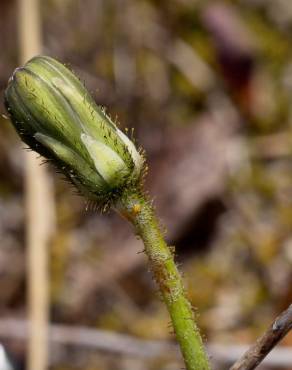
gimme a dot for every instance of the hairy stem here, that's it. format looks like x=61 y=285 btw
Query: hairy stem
x=140 y=213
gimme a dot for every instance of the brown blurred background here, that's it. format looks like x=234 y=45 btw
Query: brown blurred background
x=207 y=86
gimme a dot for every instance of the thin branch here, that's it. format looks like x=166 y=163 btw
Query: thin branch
x=103 y=340
x=84 y=338
x=258 y=351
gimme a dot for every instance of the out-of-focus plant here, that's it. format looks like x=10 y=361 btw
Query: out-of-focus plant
x=55 y=115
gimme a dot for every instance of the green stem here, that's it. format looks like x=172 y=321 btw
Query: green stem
x=140 y=213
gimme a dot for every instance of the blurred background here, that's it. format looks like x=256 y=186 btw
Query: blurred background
x=207 y=87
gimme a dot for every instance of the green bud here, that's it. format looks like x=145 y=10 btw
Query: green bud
x=55 y=115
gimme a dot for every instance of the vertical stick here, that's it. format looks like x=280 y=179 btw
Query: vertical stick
x=39 y=203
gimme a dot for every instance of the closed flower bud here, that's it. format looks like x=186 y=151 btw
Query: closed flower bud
x=56 y=116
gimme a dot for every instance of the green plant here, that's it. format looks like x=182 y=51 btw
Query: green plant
x=55 y=115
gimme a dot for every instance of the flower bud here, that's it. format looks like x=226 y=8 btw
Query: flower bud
x=56 y=116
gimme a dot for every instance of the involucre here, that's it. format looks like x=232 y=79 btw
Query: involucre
x=55 y=115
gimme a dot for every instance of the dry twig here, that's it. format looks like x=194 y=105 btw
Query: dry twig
x=84 y=338
x=257 y=352
x=39 y=207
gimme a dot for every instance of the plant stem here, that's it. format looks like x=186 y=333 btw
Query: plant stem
x=139 y=212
